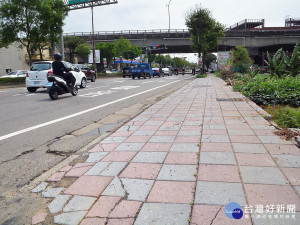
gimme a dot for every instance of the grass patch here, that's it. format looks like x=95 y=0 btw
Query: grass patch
x=201 y=75
x=285 y=116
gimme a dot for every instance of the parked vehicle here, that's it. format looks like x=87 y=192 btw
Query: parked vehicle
x=36 y=77
x=16 y=73
x=89 y=73
x=143 y=70
x=60 y=87
x=126 y=71
x=157 y=72
x=167 y=71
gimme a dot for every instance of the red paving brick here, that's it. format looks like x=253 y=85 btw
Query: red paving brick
x=119 y=157
x=103 y=206
x=261 y=194
x=282 y=149
x=157 y=147
x=141 y=171
x=245 y=139
x=172 y=192
x=216 y=147
x=222 y=219
x=293 y=174
x=181 y=158
x=222 y=173
x=93 y=221
x=126 y=209
x=57 y=176
x=137 y=139
x=65 y=169
x=39 y=218
x=89 y=186
x=248 y=159
x=77 y=172
x=166 y=133
x=204 y=214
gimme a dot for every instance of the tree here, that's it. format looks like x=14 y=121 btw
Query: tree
x=31 y=22
x=122 y=46
x=209 y=58
x=71 y=44
x=293 y=63
x=134 y=52
x=83 y=50
x=205 y=31
x=241 y=59
x=107 y=50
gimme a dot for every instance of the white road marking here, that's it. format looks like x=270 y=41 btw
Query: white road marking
x=79 y=113
x=125 y=87
x=96 y=94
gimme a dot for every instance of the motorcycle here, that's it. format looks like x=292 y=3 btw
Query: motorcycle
x=58 y=86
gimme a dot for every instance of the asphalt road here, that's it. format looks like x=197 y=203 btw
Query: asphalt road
x=33 y=125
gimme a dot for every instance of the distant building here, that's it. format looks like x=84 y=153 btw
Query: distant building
x=15 y=57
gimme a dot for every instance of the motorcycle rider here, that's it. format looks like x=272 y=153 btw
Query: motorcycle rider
x=60 y=70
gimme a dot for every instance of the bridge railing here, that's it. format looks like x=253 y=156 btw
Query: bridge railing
x=128 y=32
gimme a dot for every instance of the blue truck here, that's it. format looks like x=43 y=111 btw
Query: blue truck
x=143 y=70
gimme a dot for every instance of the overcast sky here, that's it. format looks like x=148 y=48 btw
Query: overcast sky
x=153 y=14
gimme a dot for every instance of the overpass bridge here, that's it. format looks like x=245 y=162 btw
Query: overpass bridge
x=256 y=40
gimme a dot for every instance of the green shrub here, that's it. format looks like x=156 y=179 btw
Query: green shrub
x=5 y=80
x=285 y=117
x=264 y=90
x=201 y=75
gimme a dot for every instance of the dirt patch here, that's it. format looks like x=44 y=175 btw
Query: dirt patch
x=286 y=134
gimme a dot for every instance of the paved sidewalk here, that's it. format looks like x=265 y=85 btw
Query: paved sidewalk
x=181 y=162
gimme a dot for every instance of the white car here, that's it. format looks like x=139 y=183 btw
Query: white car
x=16 y=73
x=36 y=77
x=167 y=71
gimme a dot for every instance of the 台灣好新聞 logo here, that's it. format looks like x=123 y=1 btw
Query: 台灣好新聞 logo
x=233 y=210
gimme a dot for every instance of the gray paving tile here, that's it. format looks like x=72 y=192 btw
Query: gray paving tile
x=214 y=127
x=114 y=188
x=113 y=169
x=137 y=189
x=41 y=187
x=97 y=168
x=127 y=128
x=273 y=140
x=262 y=175
x=185 y=147
x=79 y=203
x=162 y=139
x=150 y=157
x=96 y=156
x=297 y=189
x=249 y=148
x=57 y=204
x=215 y=138
x=192 y=123
x=287 y=160
x=189 y=132
x=163 y=214
x=154 y=123
x=52 y=192
x=171 y=127
x=219 y=193
x=130 y=147
x=110 y=140
x=69 y=218
x=177 y=172
x=222 y=158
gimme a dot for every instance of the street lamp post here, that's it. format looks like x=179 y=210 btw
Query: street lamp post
x=169 y=14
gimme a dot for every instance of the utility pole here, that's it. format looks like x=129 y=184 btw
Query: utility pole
x=93 y=40
x=169 y=15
